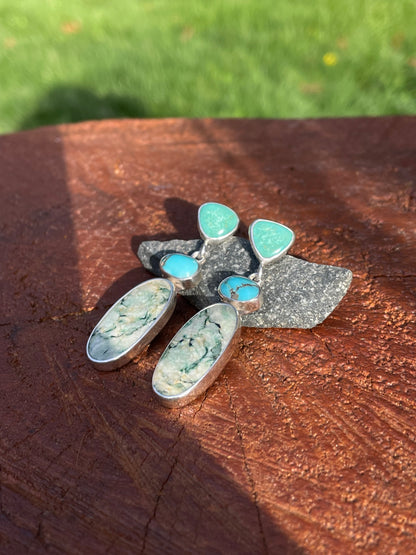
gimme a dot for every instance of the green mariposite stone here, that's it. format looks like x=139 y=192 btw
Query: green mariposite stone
x=216 y=220
x=195 y=349
x=270 y=239
x=129 y=319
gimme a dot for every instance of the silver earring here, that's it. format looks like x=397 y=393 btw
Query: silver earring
x=202 y=347
x=139 y=315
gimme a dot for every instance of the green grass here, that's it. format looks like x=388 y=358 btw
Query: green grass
x=89 y=59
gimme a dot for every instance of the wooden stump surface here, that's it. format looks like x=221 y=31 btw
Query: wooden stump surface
x=307 y=441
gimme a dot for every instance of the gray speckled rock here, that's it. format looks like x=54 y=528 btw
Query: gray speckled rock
x=297 y=294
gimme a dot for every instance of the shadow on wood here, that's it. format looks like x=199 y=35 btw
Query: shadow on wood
x=90 y=462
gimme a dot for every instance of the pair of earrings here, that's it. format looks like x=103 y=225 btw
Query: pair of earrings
x=202 y=347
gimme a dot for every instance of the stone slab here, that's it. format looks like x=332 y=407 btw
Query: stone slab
x=297 y=293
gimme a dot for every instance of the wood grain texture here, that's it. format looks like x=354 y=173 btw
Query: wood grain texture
x=306 y=443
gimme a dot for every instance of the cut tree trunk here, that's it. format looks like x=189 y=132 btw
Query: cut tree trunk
x=306 y=442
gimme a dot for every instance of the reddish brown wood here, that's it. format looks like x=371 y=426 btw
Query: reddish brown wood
x=307 y=441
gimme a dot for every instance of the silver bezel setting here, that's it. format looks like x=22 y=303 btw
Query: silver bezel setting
x=181 y=284
x=243 y=307
x=216 y=239
x=260 y=258
x=118 y=361
x=183 y=399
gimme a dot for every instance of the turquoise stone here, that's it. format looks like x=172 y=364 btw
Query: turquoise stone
x=270 y=239
x=239 y=288
x=216 y=220
x=179 y=266
x=195 y=349
x=129 y=319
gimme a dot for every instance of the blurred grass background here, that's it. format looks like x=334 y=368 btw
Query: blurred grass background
x=90 y=59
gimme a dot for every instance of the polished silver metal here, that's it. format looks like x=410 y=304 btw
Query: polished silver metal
x=257 y=276
x=242 y=307
x=182 y=284
x=199 y=387
x=200 y=254
x=121 y=359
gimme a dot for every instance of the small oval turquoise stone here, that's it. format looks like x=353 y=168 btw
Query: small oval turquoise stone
x=270 y=238
x=180 y=266
x=217 y=220
x=239 y=288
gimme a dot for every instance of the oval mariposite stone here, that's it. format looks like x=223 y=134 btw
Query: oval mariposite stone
x=130 y=322
x=217 y=221
x=270 y=240
x=199 y=348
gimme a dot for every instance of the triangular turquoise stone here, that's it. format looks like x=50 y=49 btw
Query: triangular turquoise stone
x=270 y=239
x=216 y=221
